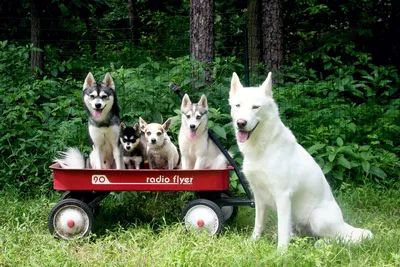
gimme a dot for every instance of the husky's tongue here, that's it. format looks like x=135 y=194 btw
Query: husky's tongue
x=192 y=135
x=97 y=113
x=242 y=136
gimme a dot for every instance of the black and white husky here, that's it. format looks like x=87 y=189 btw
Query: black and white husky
x=133 y=146
x=197 y=150
x=101 y=105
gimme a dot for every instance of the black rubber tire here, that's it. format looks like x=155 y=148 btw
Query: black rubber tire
x=73 y=204
x=82 y=197
x=215 y=225
x=234 y=209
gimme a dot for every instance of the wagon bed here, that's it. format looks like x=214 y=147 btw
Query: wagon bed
x=140 y=180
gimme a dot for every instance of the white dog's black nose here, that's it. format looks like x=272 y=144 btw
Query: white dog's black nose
x=97 y=105
x=192 y=126
x=241 y=123
x=153 y=141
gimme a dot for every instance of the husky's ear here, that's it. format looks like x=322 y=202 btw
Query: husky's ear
x=108 y=80
x=122 y=126
x=185 y=101
x=89 y=81
x=166 y=124
x=235 y=85
x=203 y=102
x=267 y=85
x=142 y=124
x=136 y=127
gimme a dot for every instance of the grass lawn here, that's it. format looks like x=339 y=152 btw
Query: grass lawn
x=119 y=240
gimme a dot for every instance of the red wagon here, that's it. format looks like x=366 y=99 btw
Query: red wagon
x=73 y=216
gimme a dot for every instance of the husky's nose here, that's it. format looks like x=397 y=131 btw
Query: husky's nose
x=128 y=147
x=192 y=126
x=153 y=141
x=98 y=105
x=241 y=123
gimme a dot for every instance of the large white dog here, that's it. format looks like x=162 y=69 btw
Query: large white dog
x=281 y=173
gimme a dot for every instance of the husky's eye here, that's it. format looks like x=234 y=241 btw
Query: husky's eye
x=238 y=105
x=256 y=107
x=103 y=97
x=198 y=117
x=188 y=116
x=91 y=96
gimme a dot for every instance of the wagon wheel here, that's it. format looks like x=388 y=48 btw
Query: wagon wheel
x=203 y=214
x=70 y=219
x=229 y=212
x=84 y=197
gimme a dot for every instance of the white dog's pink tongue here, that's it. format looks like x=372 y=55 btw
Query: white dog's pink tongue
x=97 y=113
x=242 y=136
x=192 y=135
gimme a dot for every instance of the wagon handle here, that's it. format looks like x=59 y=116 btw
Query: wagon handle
x=176 y=89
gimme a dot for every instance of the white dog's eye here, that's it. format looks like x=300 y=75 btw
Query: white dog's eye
x=198 y=117
x=238 y=105
x=159 y=133
x=148 y=133
x=256 y=107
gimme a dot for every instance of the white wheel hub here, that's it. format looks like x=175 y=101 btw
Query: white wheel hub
x=71 y=222
x=202 y=217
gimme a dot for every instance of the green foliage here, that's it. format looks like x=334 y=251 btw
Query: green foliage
x=348 y=121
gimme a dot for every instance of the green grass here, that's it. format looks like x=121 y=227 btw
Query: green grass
x=121 y=240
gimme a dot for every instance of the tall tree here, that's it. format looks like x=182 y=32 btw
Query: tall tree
x=36 y=54
x=202 y=34
x=133 y=21
x=253 y=34
x=272 y=33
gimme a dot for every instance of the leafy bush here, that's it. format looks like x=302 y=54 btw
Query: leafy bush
x=348 y=121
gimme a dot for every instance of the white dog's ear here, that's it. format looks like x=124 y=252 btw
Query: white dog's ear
x=89 y=81
x=108 y=80
x=166 y=124
x=267 y=85
x=122 y=126
x=203 y=102
x=186 y=101
x=235 y=84
x=136 y=126
x=142 y=124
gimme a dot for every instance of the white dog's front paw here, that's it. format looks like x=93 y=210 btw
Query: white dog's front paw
x=282 y=248
x=255 y=236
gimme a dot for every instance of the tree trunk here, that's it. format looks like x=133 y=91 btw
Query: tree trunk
x=36 y=56
x=202 y=34
x=253 y=34
x=272 y=33
x=133 y=22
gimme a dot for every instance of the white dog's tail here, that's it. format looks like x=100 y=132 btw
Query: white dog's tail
x=71 y=159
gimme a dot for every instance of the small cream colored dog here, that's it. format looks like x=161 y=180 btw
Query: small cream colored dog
x=161 y=152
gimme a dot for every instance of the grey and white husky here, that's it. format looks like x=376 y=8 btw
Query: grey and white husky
x=133 y=146
x=197 y=150
x=101 y=105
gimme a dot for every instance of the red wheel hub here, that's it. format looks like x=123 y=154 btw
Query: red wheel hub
x=200 y=223
x=70 y=223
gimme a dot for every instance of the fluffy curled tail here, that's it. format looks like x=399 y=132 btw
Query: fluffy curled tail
x=71 y=159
